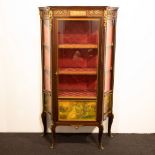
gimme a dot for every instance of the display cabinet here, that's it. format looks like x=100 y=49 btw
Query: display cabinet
x=78 y=49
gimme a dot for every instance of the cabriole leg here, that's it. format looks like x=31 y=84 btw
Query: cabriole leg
x=53 y=136
x=44 y=120
x=100 y=137
x=110 y=120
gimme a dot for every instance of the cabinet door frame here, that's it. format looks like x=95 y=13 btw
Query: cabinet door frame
x=100 y=76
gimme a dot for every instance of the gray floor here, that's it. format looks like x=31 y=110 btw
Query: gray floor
x=76 y=144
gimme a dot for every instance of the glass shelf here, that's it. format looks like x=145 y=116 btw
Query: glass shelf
x=77 y=71
x=77 y=46
x=77 y=94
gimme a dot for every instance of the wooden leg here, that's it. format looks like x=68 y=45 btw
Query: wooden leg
x=44 y=120
x=100 y=137
x=110 y=120
x=53 y=136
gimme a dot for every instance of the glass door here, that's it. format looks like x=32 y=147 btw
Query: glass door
x=77 y=68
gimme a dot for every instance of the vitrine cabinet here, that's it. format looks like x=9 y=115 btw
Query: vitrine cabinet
x=78 y=49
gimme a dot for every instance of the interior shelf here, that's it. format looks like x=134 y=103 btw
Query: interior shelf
x=78 y=46
x=77 y=71
x=77 y=94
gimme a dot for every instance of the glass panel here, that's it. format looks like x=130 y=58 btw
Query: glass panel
x=109 y=32
x=77 y=58
x=46 y=32
x=78 y=32
x=77 y=110
x=74 y=86
x=46 y=55
x=47 y=80
x=108 y=78
x=108 y=58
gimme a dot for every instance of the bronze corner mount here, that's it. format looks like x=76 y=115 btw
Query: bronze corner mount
x=109 y=15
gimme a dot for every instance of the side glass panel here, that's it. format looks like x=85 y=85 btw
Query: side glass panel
x=46 y=56
x=107 y=85
x=77 y=43
x=109 y=57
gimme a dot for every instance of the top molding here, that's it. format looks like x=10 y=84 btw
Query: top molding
x=79 y=11
x=77 y=7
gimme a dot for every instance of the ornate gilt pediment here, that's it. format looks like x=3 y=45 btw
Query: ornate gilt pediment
x=107 y=14
x=45 y=14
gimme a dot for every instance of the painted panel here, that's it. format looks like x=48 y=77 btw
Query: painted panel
x=77 y=110
x=107 y=103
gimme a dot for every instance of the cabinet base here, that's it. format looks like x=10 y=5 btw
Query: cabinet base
x=53 y=132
